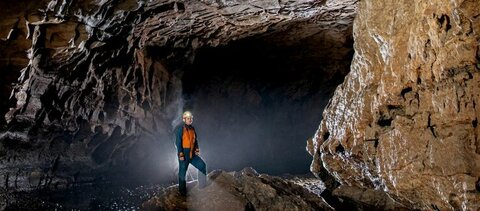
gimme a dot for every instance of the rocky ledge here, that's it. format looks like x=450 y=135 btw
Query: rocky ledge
x=249 y=190
x=243 y=190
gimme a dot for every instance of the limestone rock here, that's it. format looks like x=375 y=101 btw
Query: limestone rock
x=244 y=190
x=365 y=199
x=405 y=120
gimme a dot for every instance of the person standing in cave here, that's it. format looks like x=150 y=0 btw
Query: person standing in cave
x=188 y=152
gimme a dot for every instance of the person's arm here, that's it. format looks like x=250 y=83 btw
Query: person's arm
x=197 y=149
x=178 y=142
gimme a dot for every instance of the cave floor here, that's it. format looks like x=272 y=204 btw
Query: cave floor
x=109 y=196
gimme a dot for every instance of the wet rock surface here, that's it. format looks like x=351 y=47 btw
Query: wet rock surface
x=248 y=190
x=405 y=118
x=355 y=198
x=243 y=190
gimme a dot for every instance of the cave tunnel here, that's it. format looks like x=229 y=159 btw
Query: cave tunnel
x=257 y=100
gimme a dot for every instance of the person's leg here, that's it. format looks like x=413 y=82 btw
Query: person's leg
x=182 y=172
x=202 y=170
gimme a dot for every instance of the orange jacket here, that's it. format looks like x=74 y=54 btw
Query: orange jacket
x=186 y=138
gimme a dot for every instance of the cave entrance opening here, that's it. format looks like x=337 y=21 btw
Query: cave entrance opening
x=257 y=100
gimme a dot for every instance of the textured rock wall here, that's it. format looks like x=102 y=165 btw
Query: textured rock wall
x=87 y=102
x=13 y=44
x=405 y=120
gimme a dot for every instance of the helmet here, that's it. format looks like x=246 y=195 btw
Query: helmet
x=187 y=114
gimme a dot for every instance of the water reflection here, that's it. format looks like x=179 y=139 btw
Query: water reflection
x=94 y=197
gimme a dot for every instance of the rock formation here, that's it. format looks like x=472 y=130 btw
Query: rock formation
x=248 y=190
x=359 y=198
x=405 y=120
x=244 y=190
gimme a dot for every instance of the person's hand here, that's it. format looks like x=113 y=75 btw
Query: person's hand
x=197 y=152
x=181 y=158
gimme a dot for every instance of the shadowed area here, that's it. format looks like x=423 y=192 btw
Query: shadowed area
x=257 y=101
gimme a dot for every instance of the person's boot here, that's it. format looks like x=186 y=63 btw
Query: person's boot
x=183 y=193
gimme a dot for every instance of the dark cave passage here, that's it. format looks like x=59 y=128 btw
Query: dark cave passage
x=256 y=101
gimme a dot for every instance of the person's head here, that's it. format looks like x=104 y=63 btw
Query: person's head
x=187 y=117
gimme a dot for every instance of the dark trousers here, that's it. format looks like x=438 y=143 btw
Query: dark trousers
x=182 y=170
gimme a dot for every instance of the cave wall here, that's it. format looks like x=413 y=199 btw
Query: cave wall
x=14 y=44
x=87 y=104
x=405 y=120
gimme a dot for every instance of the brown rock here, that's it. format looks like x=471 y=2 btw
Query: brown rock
x=244 y=190
x=365 y=199
x=405 y=118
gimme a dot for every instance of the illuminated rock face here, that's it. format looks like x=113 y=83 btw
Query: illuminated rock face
x=100 y=81
x=405 y=119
